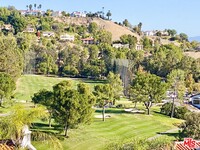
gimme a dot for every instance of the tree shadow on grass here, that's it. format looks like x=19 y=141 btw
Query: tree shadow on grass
x=45 y=127
x=176 y=135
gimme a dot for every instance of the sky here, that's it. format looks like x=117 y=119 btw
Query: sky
x=181 y=15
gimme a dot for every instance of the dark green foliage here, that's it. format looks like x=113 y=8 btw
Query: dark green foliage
x=179 y=112
x=191 y=128
x=143 y=144
x=147 y=88
x=7 y=86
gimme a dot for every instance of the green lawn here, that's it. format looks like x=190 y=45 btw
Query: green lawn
x=27 y=85
x=120 y=127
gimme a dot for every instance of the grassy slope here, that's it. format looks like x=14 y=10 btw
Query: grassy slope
x=27 y=85
x=121 y=126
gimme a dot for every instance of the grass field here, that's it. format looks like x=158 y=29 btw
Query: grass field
x=121 y=126
x=27 y=85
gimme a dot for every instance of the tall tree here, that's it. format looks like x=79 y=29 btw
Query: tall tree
x=108 y=14
x=104 y=97
x=30 y=7
x=35 y=6
x=45 y=98
x=7 y=86
x=70 y=106
x=116 y=86
x=148 y=88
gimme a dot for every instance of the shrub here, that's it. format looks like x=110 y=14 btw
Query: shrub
x=179 y=111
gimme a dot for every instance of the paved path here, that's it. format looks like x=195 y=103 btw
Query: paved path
x=163 y=133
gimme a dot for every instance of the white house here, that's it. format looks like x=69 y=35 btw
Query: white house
x=78 y=14
x=139 y=46
x=31 y=12
x=149 y=33
x=29 y=29
x=67 y=37
x=195 y=100
x=56 y=14
x=48 y=34
x=119 y=45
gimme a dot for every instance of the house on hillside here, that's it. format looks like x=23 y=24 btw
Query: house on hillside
x=29 y=29
x=149 y=33
x=195 y=100
x=120 y=45
x=88 y=40
x=31 y=12
x=139 y=46
x=78 y=14
x=56 y=13
x=67 y=37
x=48 y=34
x=7 y=27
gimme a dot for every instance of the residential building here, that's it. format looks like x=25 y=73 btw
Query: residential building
x=120 y=45
x=139 y=46
x=195 y=100
x=8 y=27
x=29 y=29
x=88 y=40
x=149 y=33
x=48 y=34
x=56 y=13
x=67 y=37
x=31 y=12
x=78 y=14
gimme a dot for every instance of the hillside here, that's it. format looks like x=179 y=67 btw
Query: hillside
x=110 y=26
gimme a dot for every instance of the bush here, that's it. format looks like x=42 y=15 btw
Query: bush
x=179 y=112
x=191 y=128
x=143 y=144
x=119 y=106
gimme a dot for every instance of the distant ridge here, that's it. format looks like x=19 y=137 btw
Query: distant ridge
x=195 y=38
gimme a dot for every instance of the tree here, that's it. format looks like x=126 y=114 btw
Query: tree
x=190 y=127
x=12 y=125
x=93 y=28
x=148 y=88
x=183 y=37
x=35 y=6
x=176 y=81
x=45 y=98
x=147 y=43
x=189 y=82
x=7 y=86
x=30 y=7
x=108 y=14
x=116 y=86
x=104 y=96
x=71 y=106
x=125 y=22
x=171 y=32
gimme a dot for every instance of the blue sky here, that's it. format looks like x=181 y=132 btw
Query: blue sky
x=181 y=15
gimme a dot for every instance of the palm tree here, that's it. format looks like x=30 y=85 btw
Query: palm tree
x=12 y=125
x=30 y=6
x=35 y=6
x=108 y=14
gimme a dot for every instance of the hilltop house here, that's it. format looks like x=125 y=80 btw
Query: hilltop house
x=78 y=14
x=31 y=12
x=149 y=33
x=56 y=14
x=48 y=34
x=66 y=37
x=88 y=40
